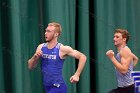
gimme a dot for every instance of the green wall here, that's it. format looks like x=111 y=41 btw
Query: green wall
x=87 y=25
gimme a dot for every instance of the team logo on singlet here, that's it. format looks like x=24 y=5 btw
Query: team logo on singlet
x=49 y=56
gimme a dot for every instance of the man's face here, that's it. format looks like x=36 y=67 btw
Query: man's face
x=118 y=39
x=50 y=33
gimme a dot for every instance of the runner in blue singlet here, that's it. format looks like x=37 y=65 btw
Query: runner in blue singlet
x=52 y=55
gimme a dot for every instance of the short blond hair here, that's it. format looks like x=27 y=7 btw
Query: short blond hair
x=57 y=27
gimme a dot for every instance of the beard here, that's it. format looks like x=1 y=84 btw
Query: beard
x=49 y=39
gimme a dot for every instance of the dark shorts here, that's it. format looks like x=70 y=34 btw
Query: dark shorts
x=56 y=88
x=129 y=89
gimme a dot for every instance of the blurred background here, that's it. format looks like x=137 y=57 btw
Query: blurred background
x=87 y=25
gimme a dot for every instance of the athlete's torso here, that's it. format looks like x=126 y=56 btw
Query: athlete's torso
x=51 y=65
x=124 y=79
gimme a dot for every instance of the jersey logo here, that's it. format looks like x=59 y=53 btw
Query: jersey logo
x=49 y=56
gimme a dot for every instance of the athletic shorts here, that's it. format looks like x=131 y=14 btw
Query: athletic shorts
x=129 y=89
x=56 y=88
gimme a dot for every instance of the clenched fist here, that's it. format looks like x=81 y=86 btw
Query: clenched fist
x=110 y=54
x=74 y=79
x=38 y=53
